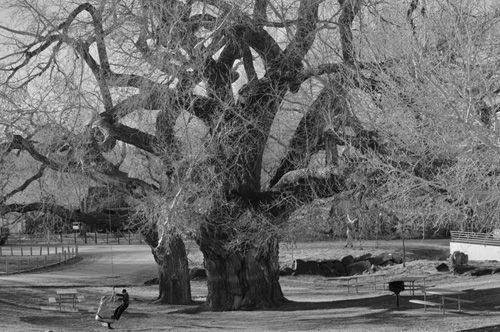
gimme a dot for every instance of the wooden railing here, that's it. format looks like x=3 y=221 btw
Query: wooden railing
x=488 y=239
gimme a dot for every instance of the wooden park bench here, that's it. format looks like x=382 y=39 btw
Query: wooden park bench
x=65 y=300
x=445 y=294
x=425 y=303
x=458 y=300
x=358 y=281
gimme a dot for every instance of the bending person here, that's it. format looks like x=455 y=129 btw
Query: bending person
x=104 y=313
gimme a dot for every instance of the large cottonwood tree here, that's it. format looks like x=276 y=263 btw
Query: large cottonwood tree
x=383 y=95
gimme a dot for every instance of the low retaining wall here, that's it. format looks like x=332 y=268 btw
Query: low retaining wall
x=478 y=246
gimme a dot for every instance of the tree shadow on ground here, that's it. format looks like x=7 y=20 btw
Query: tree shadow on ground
x=61 y=320
x=55 y=321
x=381 y=312
x=484 y=300
x=495 y=328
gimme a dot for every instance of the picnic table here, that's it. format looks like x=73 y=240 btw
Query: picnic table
x=444 y=294
x=66 y=297
x=409 y=282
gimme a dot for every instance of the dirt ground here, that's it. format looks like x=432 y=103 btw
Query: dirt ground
x=317 y=303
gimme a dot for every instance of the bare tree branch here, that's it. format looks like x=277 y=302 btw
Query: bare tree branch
x=350 y=9
x=409 y=13
x=307 y=139
x=25 y=185
x=98 y=218
x=260 y=11
x=93 y=165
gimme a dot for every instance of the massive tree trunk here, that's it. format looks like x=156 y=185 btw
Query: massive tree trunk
x=173 y=270
x=239 y=277
x=242 y=273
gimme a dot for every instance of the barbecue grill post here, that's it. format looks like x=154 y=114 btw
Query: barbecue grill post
x=396 y=287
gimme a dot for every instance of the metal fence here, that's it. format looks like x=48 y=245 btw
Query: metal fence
x=117 y=237
x=488 y=239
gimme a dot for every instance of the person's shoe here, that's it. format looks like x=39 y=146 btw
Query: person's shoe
x=110 y=328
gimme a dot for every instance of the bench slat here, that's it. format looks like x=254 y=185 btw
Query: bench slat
x=418 y=287
x=435 y=304
x=68 y=309
x=54 y=300
x=458 y=300
x=359 y=285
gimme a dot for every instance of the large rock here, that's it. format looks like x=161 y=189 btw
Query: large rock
x=306 y=267
x=380 y=259
x=482 y=272
x=358 y=267
x=327 y=269
x=388 y=263
x=339 y=267
x=347 y=260
x=287 y=271
x=459 y=258
x=386 y=256
x=461 y=269
x=443 y=267
x=364 y=257
x=396 y=258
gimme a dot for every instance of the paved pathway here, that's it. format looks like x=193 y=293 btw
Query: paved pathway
x=102 y=265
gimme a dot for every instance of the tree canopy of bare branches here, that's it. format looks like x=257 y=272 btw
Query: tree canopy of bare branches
x=221 y=119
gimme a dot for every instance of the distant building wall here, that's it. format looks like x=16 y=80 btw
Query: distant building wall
x=477 y=252
x=478 y=246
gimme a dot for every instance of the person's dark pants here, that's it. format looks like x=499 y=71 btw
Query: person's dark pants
x=119 y=311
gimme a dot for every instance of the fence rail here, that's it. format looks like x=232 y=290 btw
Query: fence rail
x=19 y=259
x=117 y=237
x=489 y=239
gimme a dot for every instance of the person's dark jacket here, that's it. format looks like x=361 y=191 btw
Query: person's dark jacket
x=124 y=297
